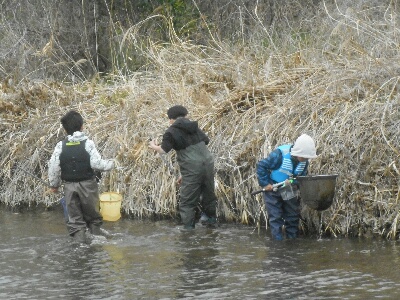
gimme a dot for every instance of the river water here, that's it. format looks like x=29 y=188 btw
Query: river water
x=156 y=260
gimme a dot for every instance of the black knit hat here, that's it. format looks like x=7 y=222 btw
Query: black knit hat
x=177 y=111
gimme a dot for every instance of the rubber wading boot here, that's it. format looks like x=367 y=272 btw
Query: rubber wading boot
x=188 y=227
x=80 y=236
x=211 y=222
x=204 y=219
x=95 y=229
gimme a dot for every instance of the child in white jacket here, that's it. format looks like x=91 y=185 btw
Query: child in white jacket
x=74 y=162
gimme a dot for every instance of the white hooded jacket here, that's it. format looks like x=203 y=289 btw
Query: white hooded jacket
x=96 y=162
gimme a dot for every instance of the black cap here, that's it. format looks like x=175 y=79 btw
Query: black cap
x=177 y=111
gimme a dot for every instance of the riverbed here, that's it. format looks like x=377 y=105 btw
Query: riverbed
x=139 y=259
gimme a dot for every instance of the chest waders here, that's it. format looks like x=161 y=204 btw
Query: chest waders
x=197 y=169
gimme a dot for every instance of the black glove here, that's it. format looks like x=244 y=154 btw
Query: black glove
x=98 y=176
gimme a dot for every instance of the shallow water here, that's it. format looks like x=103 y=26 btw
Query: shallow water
x=155 y=260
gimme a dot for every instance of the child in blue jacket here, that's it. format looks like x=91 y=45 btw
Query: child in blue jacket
x=285 y=162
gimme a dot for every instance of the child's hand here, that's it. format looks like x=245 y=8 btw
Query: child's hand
x=288 y=182
x=152 y=144
x=54 y=189
x=268 y=188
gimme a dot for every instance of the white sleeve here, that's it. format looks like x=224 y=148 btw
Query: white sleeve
x=96 y=162
x=54 y=166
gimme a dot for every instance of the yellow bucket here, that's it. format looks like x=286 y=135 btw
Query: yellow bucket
x=110 y=206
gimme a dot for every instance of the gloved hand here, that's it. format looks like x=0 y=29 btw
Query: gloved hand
x=98 y=176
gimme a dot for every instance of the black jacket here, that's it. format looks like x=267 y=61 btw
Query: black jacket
x=182 y=134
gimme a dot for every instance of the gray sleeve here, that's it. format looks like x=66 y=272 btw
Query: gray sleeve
x=54 y=166
x=96 y=162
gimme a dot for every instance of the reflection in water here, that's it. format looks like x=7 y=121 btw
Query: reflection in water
x=330 y=269
x=155 y=260
x=199 y=263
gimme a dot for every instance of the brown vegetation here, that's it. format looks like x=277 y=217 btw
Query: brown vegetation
x=337 y=81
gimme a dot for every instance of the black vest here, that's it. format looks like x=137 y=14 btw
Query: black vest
x=75 y=162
